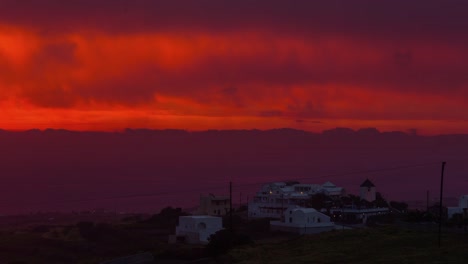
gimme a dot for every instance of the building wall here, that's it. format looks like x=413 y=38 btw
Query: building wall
x=299 y=217
x=211 y=205
x=463 y=201
x=273 y=197
x=265 y=210
x=303 y=221
x=367 y=193
x=272 y=206
x=301 y=230
x=454 y=210
x=198 y=229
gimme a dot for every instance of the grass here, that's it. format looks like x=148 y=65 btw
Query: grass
x=378 y=245
x=38 y=248
x=371 y=245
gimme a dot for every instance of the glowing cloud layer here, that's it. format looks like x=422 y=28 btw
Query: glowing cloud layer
x=253 y=64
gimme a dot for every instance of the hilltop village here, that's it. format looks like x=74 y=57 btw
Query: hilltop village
x=291 y=207
x=216 y=231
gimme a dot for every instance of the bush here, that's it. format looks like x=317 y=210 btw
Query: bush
x=167 y=218
x=261 y=225
x=416 y=216
x=96 y=232
x=87 y=230
x=380 y=219
x=41 y=229
x=222 y=241
x=400 y=206
x=237 y=221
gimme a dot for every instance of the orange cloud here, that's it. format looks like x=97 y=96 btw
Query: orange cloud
x=238 y=79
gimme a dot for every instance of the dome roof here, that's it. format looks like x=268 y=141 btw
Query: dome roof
x=328 y=184
x=367 y=183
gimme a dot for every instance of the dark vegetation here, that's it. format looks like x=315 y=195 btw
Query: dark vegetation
x=322 y=201
x=222 y=241
x=409 y=236
x=373 y=245
x=93 y=242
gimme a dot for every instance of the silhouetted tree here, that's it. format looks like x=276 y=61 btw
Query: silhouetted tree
x=352 y=200
x=167 y=218
x=94 y=232
x=400 y=206
x=318 y=201
x=379 y=201
x=242 y=208
x=261 y=225
x=434 y=210
x=87 y=230
x=416 y=216
x=223 y=240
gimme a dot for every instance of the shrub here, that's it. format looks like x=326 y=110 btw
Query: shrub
x=223 y=240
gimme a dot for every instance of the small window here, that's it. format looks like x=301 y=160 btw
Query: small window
x=290 y=219
x=201 y=226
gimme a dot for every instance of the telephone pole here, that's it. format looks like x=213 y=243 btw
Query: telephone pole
x=440 y=201
x=230 y=206
x=240 y=199
x=427 y=201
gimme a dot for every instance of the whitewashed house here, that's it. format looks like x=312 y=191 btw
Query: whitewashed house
x=274 y=198
x=460 y=209
x=303 y=221
x=196 y=229
x=332 y=190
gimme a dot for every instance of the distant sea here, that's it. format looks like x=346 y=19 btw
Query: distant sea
x=145 y=170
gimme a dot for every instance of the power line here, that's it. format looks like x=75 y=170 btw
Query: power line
x=129 y=196
x=156 y=194
x=352 y=173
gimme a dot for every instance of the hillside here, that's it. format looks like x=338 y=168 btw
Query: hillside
x=380 y=245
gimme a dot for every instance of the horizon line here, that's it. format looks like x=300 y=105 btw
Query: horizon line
x=408 y=132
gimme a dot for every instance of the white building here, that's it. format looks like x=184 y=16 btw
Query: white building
x=367 y=191
x=196 y=229
x=274 y=198
x=359 y=215
x=213 y=205
x=332 y=190
x=303 y=221
x=460 y=209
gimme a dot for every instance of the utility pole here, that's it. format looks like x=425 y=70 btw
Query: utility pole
x=282 y=208
x=230 y=206
x=440 y=201
x=240 y=199
x=427 y=201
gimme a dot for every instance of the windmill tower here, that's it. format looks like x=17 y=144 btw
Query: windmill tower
x=367 y=191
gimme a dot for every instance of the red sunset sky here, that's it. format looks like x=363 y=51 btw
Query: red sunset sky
x=211 y=64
